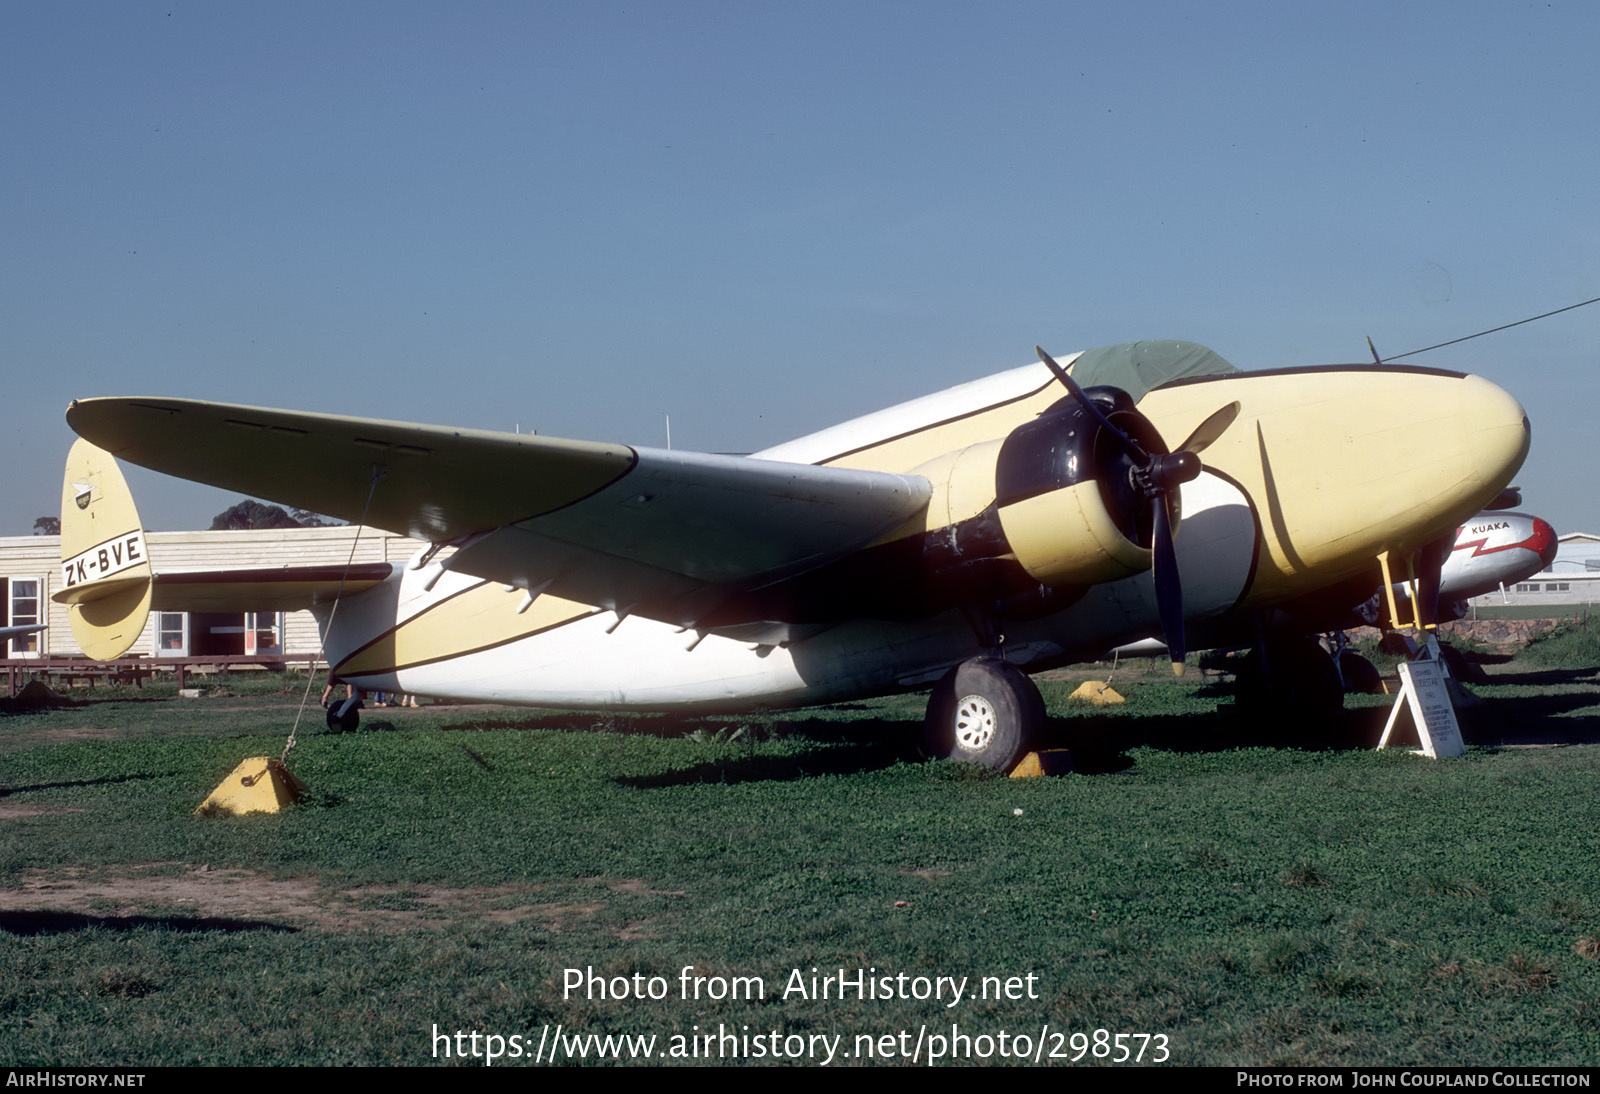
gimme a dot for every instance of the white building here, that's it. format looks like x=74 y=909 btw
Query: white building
x=30 y=571
x=1571 y=581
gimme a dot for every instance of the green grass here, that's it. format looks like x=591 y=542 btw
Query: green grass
x=1574 y=645
x=241 y=682
x=1530 y=611
x=1257 y=894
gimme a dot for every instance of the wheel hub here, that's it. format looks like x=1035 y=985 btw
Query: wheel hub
x=975 y=723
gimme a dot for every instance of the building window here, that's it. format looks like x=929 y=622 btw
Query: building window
x=261 y=632
x=172 y=639
x=25 y=604
x=1557 y=586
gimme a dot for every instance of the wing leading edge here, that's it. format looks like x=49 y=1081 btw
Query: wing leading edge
x=662 y=533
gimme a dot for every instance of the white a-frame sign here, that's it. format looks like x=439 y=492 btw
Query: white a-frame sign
x=1424 y=691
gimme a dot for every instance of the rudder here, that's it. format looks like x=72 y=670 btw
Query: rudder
x=106 y=575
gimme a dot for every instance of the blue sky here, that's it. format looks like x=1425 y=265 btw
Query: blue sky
x=761 y=219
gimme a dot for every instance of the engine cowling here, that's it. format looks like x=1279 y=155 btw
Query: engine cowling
x=1066 y=497
x=1065 y=503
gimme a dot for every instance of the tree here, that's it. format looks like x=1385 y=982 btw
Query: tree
x=47 y=526
x=253 y=514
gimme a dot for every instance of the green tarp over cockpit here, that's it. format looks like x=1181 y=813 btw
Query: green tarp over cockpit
x=1140 y=367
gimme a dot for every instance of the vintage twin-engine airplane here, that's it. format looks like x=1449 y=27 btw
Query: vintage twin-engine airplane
x=959 y=540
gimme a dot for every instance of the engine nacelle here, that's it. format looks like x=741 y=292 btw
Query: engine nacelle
x=1055 y=495
x=1068 y=537
x=1020 y=524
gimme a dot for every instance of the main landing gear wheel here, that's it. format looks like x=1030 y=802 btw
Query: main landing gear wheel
x=1361 y=677
x=1464 y=671
x=1298 y=676
x=985 y=711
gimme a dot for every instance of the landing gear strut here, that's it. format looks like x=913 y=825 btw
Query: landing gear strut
x=985 y=711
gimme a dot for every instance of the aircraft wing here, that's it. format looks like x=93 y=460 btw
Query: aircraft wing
x=663 y=533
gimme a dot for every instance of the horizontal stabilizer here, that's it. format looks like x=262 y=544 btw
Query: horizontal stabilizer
x=270 y=589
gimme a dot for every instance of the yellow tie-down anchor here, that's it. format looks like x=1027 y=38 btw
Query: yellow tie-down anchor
x=1098 y=692
x=1052 y=761
x=260 y=784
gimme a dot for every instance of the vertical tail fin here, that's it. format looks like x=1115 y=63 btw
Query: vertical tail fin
x=105 y=569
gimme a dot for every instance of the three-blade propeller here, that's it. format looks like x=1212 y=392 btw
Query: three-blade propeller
x=1157 y=476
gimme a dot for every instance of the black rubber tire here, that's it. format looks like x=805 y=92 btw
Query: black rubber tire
x=1301 y=677
x=1463 y=670
x=346 y=722
x=1361 y=677
x=984 y=711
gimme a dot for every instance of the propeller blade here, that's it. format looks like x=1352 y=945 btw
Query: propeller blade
x=1061 y=373
x=1210 y=429
x=1169 y=589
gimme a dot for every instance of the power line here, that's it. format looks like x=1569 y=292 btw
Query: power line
x=1491 y=330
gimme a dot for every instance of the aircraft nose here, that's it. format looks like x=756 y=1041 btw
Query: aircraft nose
x=1358 y=461
x=1544 y=541
x=1495 y=433
x=1471 y=437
